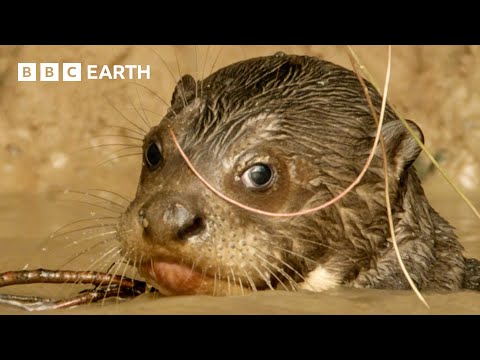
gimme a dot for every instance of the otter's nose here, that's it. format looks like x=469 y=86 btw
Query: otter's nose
x=177 y=221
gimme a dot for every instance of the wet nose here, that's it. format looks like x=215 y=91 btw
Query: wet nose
x=177 y=221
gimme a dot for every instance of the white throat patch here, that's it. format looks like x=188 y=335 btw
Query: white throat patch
x=319 y=280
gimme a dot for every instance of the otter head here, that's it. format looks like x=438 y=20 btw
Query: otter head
x=281 y=134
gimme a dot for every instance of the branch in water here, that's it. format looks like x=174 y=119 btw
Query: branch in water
x=119 y=287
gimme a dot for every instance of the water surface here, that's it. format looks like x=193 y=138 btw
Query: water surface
x=27 y=220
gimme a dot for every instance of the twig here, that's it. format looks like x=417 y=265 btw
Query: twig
x=119 y=287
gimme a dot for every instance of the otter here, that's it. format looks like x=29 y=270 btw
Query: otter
x=283 y=133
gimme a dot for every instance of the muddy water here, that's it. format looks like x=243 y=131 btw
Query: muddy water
x=26 y=221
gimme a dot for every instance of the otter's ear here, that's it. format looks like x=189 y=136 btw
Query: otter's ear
x=184 y=92
x=402 y=149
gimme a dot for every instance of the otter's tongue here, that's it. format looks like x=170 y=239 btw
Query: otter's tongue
x=173 y=278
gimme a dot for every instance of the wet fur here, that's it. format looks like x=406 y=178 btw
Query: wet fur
x=313 y=117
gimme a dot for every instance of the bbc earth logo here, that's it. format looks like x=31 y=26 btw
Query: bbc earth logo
x=73 y=72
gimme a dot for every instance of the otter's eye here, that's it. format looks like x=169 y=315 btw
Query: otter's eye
x=258 y=177
x=153 y=156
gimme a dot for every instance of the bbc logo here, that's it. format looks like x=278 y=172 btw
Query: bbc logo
x=49 y=71
x=73 y=72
